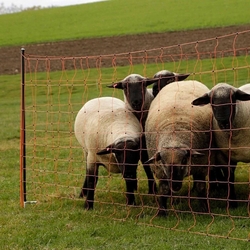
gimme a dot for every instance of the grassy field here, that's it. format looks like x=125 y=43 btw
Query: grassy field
x=118 y=17
x=54 y=159
x=55 y=174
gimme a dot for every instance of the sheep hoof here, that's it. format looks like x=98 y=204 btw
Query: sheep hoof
x=162 y=212
x=83 y=193
x=233 y=204
x=131 y=203
x=203 y=207
x=88 y=205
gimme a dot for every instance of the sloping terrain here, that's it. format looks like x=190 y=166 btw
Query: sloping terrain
x=10 y=56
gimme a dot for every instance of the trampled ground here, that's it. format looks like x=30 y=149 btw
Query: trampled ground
x=10 y=56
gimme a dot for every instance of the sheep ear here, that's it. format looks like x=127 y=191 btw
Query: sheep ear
x=107 y=150
x=150 y=81
x=154 y=158
x=241 y=95
x=203 y=100
x=181 y=77
x=196 y=153
x=117 y=85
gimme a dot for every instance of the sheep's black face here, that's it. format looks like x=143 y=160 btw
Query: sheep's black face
x=135 y=94
x=127 y=154
x=162 y=82
x=164 y=78
x=223 y=106
x=176 y=164
x=177 y=174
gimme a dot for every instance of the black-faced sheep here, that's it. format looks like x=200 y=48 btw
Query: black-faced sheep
x=137 y=99
x=164 y=78
x=178 y=140
x=231 y=126
x=110 y=136
x=136 y=95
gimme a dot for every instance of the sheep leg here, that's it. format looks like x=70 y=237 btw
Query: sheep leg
x=84 y=189
x=200 y=186
x=131 y=186
x=152 y=189
x=232 y=196
x=226 y=182
x=162 y=198
x=215 y=174
x=91 y=181
x=84 y=186
x=226 y=176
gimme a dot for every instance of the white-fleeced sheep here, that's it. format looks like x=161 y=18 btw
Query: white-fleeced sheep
x=245 y=88
x=165 y=77
x=231 y=126
x=138 y=99
x=136 y=95
x=110 y=136
x=178 y=140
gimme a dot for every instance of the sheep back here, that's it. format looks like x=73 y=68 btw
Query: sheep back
x=101 y=122
x=230 y=119
x=235 y=143
x=173 y=123
x=172 y=116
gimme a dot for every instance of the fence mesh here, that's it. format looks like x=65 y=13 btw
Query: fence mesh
x=55 y=88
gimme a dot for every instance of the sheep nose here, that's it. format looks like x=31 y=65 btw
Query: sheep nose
x=137 y=104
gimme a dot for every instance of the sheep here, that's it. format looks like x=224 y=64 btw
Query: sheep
x=245 y=88
x=137 y=99
x=110 y=136
x=178 y=140
x=165 y=77
x=136 y=95
x=230 y=127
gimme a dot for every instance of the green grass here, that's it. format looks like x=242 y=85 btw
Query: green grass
x=55 y=172
x=118 y=17
x=54 y=159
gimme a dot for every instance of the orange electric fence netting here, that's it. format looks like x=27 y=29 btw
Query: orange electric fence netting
x=52 y=164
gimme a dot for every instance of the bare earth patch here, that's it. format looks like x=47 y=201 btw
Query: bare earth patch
x=10 y=56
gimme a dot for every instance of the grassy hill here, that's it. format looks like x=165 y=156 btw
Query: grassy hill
x=119 y=17
x=58 y=220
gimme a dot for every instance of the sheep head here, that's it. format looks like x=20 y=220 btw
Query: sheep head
x=126 y=150
x=223 y=99
x=164 y=78
x=173 y=164
x=134 y=87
